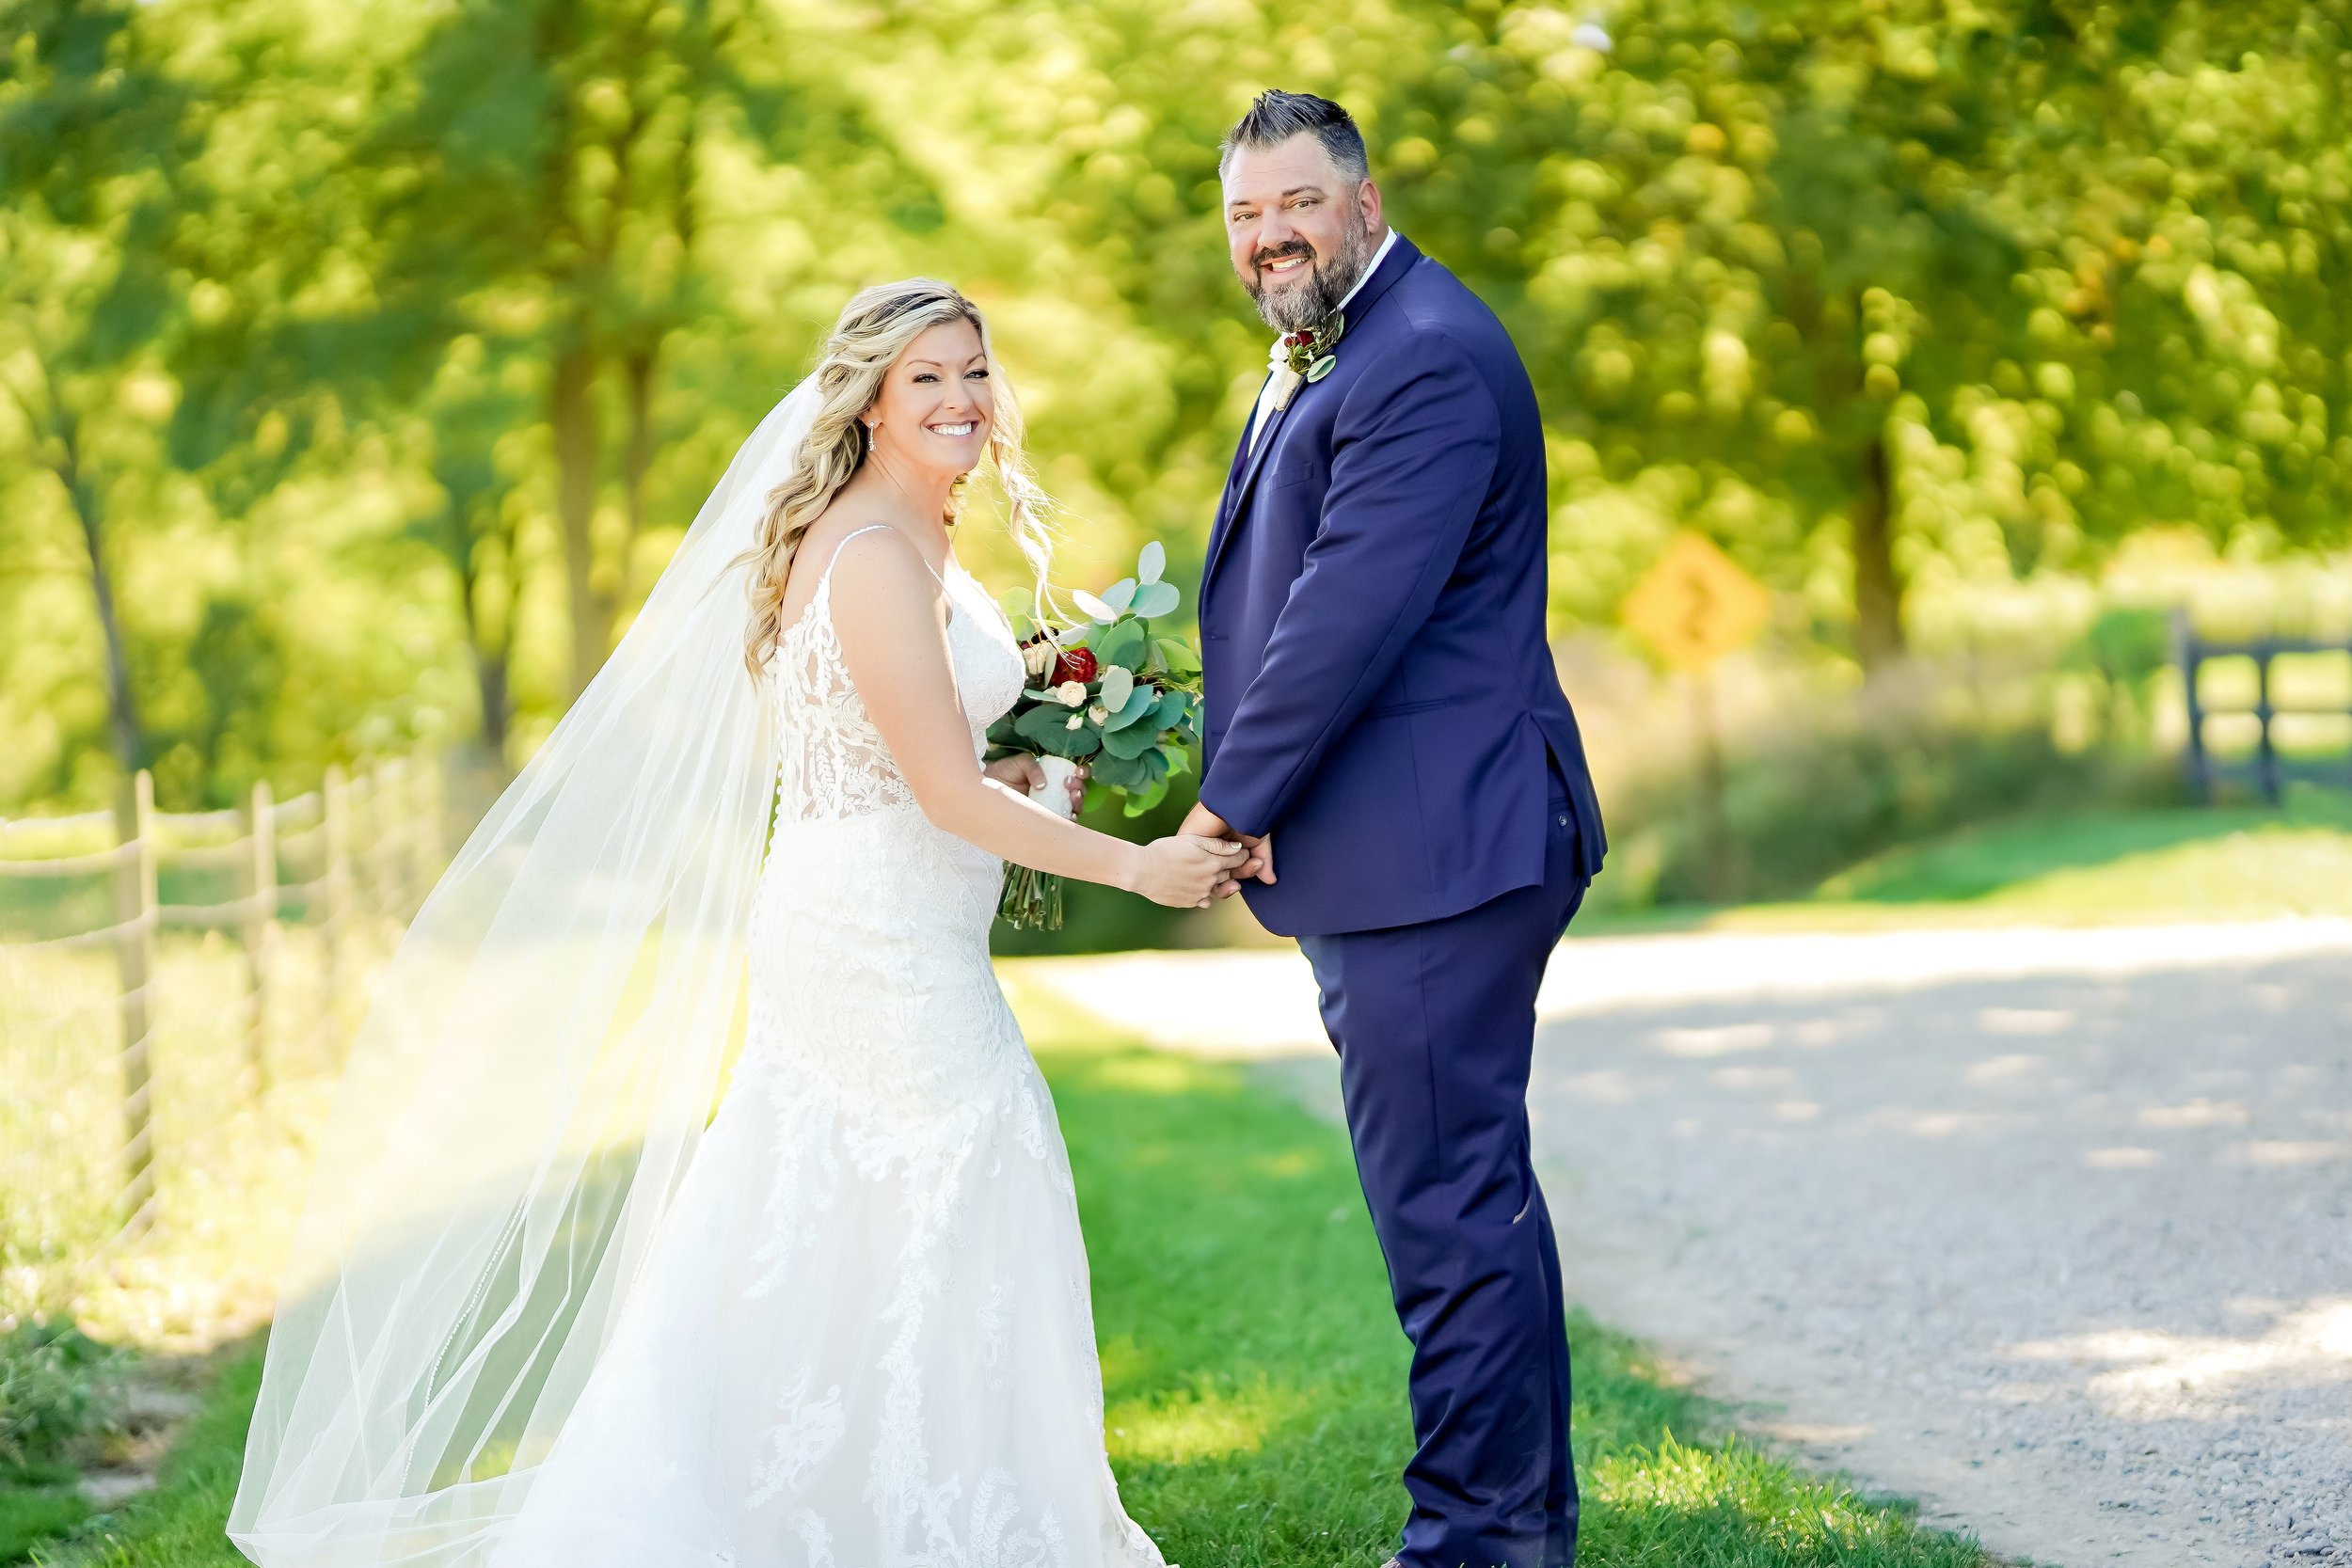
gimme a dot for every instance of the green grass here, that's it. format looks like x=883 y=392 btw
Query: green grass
x=2081 y=868
x=36 y=1502
x=178 y=1522
x=1254 y=1373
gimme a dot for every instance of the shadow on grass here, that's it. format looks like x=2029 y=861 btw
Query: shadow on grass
x=1255 y=1374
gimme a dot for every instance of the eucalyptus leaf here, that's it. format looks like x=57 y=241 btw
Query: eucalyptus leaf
x=1152 y=562
x=1155 y=598
x=1133 y=711
x=1177 y=655
x=1049 y=729
x=1132 y=742
x=1122 y=643
x=1016 y=601
x=1040 y=724
x=1119 y=595
x=1093 y=607
x=1117 y=772
x=1119 y=683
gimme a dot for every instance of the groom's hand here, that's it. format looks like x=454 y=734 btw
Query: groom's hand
x=1201 y=820
x=1261 y=861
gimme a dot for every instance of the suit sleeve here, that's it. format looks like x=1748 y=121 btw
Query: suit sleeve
x=1413 y=454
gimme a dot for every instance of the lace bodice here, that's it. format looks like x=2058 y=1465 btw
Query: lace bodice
x=832 y=763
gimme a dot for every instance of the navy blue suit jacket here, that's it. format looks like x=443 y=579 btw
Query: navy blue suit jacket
x=1380 y=693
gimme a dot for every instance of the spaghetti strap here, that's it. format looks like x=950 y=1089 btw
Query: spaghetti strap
x=843 y=543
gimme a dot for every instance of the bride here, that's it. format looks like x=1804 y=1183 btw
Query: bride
x=545 y=1310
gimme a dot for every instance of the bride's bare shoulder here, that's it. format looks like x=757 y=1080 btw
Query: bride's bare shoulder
x=853 y=542
x=825 y=549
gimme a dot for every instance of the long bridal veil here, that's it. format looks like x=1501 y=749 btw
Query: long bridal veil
x=538 y=1063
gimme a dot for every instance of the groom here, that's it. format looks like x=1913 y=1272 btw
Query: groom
x=1383 y=718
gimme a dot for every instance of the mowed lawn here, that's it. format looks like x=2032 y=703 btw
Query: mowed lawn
x=2070 y=868
x=1254 y=1372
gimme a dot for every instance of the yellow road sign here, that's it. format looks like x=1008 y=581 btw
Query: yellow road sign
x=1696 y=605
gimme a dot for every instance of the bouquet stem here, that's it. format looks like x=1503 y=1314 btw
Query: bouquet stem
x=1032 y=899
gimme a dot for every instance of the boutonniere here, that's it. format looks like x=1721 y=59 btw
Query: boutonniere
x=1299 y=357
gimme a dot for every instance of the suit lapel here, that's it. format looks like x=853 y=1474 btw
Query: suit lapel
x=1250 y=457
x=1233 y=469
x=1253 y=455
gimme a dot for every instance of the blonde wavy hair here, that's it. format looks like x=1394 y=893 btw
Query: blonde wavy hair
x=875 y=328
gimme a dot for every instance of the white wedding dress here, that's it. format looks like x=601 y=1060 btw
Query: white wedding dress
x=862 y=1336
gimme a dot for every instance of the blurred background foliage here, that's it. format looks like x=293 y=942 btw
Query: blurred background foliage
x=361 y=362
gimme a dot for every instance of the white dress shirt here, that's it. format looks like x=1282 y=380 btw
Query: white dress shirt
x=1266 y=394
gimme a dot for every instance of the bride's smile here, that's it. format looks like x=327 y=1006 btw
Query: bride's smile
x=938 y=394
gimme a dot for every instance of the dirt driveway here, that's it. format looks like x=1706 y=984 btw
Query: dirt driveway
x=2050 y=1229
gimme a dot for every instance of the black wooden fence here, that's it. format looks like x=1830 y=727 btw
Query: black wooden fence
x=2267 y=768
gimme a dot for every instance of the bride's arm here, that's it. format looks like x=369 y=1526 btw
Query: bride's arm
x=890 y=616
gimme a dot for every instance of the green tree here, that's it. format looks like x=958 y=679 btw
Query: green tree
x=549 y=180
x=1742 y=250
x=470 y=421
x=95 y=135
x=2184 y=194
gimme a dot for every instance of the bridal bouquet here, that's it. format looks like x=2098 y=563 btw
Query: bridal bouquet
x=1106 y=693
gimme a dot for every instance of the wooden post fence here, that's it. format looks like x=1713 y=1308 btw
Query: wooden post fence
x=2265 y=768
x=379 y=847
x=136 y=921
x=335 y=804
x=260 y=926
x=425 y=845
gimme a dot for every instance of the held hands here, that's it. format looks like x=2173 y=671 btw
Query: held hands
x=1184 y=871
x=1259 y=862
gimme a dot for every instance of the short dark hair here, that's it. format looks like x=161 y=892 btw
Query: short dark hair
x=1275 y=116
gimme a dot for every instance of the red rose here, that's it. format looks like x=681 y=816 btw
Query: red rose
x=1077 y=664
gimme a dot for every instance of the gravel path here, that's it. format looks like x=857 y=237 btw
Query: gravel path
x=2051 y=1231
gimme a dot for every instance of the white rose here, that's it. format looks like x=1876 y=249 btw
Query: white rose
x=1070 y=694
x=1037 y=658
x=1099 y=713
x=1075 y=720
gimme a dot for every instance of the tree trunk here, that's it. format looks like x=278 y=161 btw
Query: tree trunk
x=130 y=740
x=1878 y=592
x=490 y=677
x=638 y=366
x=489 y=662
x=572 y=411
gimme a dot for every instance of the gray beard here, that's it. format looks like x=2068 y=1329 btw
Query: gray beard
x=1311 y=304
